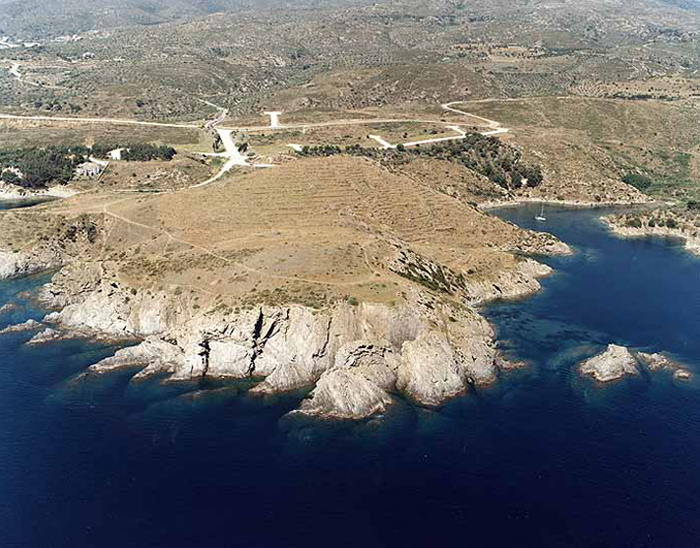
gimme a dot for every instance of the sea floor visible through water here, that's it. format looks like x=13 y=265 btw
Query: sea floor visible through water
x=543 y=458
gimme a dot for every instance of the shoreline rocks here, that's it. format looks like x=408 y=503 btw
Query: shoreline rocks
x=14 y=265
x=658 y=361
x=617 y=225
x=612 y=364
x=579 y=204
x=617 y=362
x=8 y=307
x=29 y=325
x=431 y=346
x=354 y=356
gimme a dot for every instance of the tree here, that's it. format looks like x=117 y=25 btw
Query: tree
x=637 y=180
x=11 y=177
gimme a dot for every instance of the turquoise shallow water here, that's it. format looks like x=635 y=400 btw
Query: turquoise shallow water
x=544 y=458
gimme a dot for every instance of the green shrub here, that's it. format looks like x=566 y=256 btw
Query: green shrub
x=638 y=181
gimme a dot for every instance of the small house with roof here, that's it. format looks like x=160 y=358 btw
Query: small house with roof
x=89 y=169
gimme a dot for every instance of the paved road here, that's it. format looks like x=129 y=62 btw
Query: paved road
x=220 y=117
x=381 y=141
x=14 y=70
x=233 y=155
x=461 y=134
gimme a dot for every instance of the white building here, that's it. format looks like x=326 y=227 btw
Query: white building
x=89 y=169
x=115 y=154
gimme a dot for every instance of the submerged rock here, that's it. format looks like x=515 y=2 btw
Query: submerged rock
x=613 y=364
x=9 y=307
x=682 y=375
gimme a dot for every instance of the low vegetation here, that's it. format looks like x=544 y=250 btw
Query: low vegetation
x=135 y=152
x=489 y=156
x=36 y=167
x=638 y=181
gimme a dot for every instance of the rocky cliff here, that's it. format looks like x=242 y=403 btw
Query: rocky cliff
x=356 y=356
x=414 y=332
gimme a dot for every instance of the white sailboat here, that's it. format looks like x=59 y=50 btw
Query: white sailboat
x=541 y=216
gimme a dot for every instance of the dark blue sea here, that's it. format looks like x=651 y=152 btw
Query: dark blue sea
x=542 y=459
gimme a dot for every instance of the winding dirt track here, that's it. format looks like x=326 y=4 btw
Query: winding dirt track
x=234 y=158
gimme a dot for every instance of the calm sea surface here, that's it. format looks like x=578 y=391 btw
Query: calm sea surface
x=542 y=459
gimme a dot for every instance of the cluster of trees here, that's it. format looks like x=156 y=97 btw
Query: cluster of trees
x=52 y=164
x=136 y=152
x=489 y=156
x=40 y=166
x=500 y=162
x=638 y=181
x=327 y=150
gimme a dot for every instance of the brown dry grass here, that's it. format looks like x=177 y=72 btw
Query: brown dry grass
x=312 y=232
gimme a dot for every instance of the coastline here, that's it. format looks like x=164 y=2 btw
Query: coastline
x=489 y=205
x=12 y=195
x=691 y=244
x=430 y=347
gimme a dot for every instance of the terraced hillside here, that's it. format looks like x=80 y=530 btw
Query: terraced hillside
x=317 y=231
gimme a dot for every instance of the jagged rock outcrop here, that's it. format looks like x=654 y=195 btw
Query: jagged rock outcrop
x=429 y=347
x=45 y=336
x=509 y=284
x=613 y=364
x=355 y=356
x=153 y=356
x=512 y=283
x=13 y=265
x=29 y=325
x=657 y=361
x=662 y=222
x=618 y=361
x=358 y=385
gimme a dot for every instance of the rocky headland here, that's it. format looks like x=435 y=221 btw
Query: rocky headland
x=673 y=222
x=355 y=355
x=418 y=335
